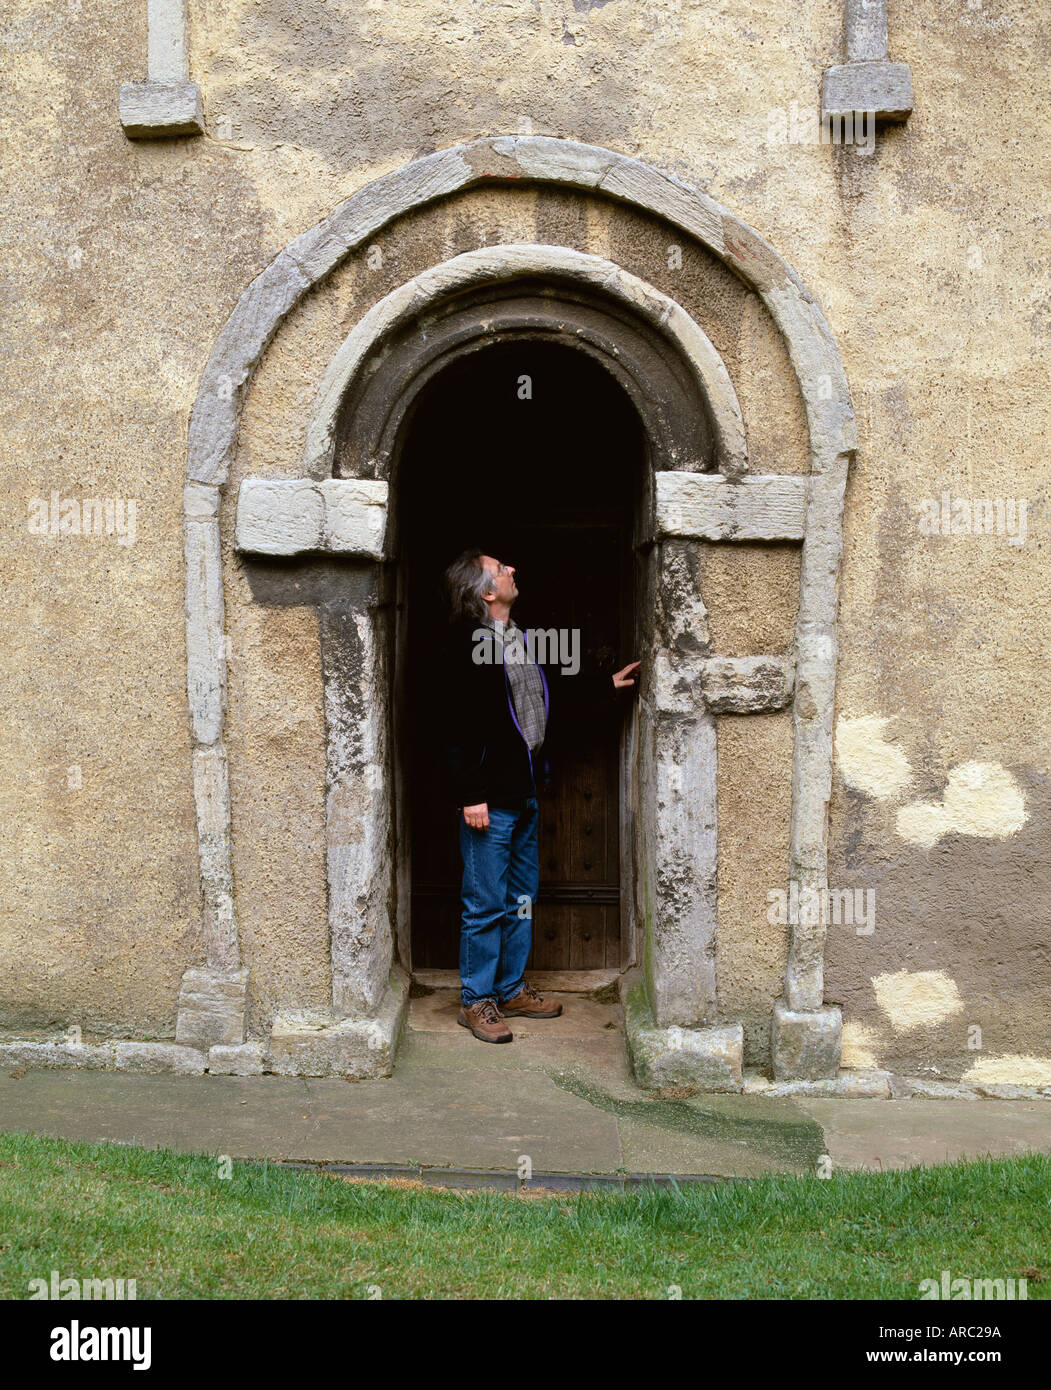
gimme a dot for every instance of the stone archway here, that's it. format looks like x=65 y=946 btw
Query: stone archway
x=319 y=511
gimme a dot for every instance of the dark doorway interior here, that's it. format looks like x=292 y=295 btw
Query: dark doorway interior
x=548 y=484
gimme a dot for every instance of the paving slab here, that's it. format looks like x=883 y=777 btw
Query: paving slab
x=569 y=1104
x=469 y=1119
x=904 y=1133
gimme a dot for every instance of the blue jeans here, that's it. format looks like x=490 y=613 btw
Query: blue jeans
x=501 y=875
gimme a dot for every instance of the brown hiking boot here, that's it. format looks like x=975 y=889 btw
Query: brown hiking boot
x=529 y=1004
x=483 y=1019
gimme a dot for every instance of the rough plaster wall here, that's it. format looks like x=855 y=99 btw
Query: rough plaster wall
x=946 y=348
x=122 y=261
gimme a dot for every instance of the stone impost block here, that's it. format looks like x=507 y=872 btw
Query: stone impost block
x=280 y=517
x=881 y=87
x=355 y=516
x=240 y=1059
x=806 y=1045
x=707 y=1059
x=158 y=110
x=361 y=1047
x=212 y=1007
x=292 y=516
x=708 y=507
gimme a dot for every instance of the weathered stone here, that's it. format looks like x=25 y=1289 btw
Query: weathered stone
x=882 y=88
x=57 y=1052
x=708 y=507
x=158 y=1057
x=708 y=1059
x=201 y=501
x=355 y=516
x=359 y=1047
x=155 y=110
x=806 y=1046
x=298 y=515
x=746 y=684
x=358 y=804
x=205 y=641
x=321 y=248
x=902 y=1087
x=212 y=1006
x=248 y=331
x=238 y=1059
x=848 y=1085
x=279 y=516
x=865 y=23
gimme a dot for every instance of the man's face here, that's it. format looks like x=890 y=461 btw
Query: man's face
x=501 y=579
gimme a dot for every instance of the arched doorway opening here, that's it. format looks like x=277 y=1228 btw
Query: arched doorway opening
x=531 y=450
x=697 y=487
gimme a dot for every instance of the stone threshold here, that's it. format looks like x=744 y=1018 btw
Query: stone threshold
x=546 y=981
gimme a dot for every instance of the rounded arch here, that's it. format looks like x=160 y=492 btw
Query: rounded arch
x=312 y=256
x=494 y=265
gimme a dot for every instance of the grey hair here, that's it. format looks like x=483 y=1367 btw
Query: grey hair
x=466 y=580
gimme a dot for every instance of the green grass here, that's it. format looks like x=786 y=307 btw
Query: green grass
x=170 y=1222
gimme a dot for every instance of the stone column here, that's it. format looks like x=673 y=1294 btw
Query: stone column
x=359 y=824
x=670 y=1008
x=212 y=998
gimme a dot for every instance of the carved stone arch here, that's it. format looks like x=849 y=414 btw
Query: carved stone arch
x=641 y=305
x=348 y=515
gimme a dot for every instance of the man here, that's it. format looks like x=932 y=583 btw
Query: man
x=498 y=710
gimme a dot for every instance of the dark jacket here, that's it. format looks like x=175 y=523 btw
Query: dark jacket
x=487 y=757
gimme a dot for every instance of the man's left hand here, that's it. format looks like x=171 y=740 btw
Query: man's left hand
x=620 y=677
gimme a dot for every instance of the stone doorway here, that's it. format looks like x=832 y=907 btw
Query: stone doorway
x=697 y=489
x=531 y=450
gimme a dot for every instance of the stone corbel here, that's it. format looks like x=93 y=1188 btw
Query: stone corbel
x=868 y=81
x=167 y=104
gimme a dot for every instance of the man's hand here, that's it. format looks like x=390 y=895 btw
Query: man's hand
x=477 y=817
x=619 y=677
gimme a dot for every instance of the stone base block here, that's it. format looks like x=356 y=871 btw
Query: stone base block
x=212 y=1007
x=116 y=1054
x=706 y=1059
x=881 y=87
x=158 y=1057
x=57 y=1052
x=806 y=1045
x=159 y=110
x=357 y=1047
x=848 y=1085
x=241 y=1059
